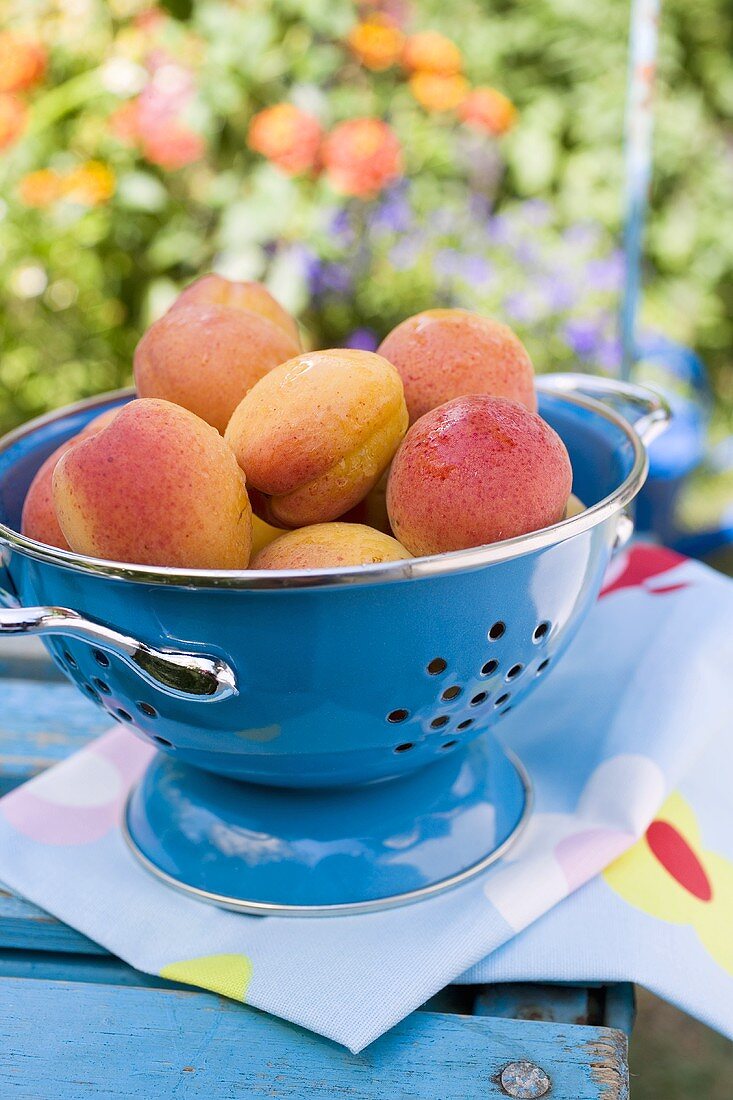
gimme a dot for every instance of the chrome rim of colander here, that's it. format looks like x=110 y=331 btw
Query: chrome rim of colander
x=456 y=561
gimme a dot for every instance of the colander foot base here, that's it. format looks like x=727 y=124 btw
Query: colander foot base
x=302 y=852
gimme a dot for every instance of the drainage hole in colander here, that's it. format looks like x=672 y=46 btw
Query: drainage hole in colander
x=69 y=659
x=451 y=693
x=123 y=714
x=439 y=722
x=101 y=658
x=465 y=724
x=497 y=631
x=502 y=699
x=541 y=632
x=398 y=715
x=90 y=691
x=448 y=744
x=436 y=666
x=479 y=699
x=543 y=665
x=405 y=747
x=504 y=711
x=163 y=741
x=513 y=672
x=101 y=686
x=489 y=668
x=148 y=711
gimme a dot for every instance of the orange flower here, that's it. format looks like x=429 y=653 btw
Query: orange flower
x=124 y=122
x=488 y=110
x=12 y=119
x=431 y=52
x=287 y=136
x=22 y=62
x=362 y=156
x=173 y=146
x=377 y=43
x=40 y=188
x=438 y=92
x=90 y=184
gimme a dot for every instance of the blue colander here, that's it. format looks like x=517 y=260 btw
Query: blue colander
x=327 y=737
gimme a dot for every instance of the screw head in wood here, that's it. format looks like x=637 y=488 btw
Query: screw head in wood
x=524 y=1081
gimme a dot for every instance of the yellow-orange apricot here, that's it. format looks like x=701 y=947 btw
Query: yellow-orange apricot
x=329 y=545
x=316 y=433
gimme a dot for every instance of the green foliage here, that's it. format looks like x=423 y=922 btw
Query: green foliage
x=80 y=281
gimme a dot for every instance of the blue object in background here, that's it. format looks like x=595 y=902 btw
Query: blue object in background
x=678 y=373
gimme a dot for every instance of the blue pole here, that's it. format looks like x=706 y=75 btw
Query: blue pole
x=637 y=164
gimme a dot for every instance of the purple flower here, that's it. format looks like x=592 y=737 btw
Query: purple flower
x=393 y=213
x=584 y=236
x=475 y=270
x=447 y=262
x=336 y=277
x=535 y=212
x=326 y=277
x=606 y=274
x=608 y=355
x=404 y=254
x=525 y=306
x=526 y=253
x=340 y=225
x=362 y=339
x=583 y=337
x=560 y=294
x=500 y=230
x=479 y=207
x=310 y=265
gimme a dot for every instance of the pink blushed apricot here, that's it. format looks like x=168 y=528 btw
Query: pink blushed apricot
x=206 y=358
x=446 y=353
x=474 y=471
x=158 y=486
x=215 y=290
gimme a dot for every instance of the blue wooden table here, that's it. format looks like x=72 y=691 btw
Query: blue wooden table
x=75 y=1022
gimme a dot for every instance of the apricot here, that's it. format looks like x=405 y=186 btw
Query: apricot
x=574 y=506
x=372 y=510
x=316 y=433
x=215 y=290
x=263 y=534
x=206 y=358
x=473 y=471
x=447 y=353
x=38 y=520
x=329 y=545
x=157 y=486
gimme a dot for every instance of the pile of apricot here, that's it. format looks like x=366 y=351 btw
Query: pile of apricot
x=242 y=450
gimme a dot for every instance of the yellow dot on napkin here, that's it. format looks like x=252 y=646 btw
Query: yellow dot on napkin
x=229 y=975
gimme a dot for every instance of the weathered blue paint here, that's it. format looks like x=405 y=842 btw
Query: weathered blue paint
x=68 y=1040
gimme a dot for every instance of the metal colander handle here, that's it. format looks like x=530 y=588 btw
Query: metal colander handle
x=182 y=675
x=647 y=412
